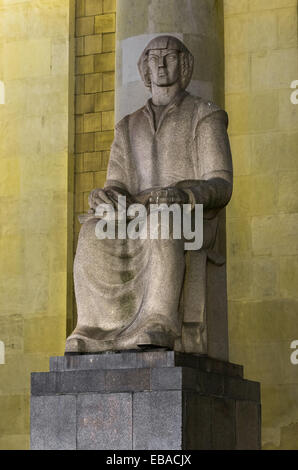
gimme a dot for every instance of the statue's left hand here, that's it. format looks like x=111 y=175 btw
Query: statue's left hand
x=108 y=196
x=113 y=193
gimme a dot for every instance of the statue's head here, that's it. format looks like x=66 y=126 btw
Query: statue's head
x=165 y=61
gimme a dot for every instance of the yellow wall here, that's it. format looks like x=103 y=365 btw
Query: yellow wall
x=36 y=211
x=261 y=62
x=36 y=171
x=94 y=108
x=94 y=101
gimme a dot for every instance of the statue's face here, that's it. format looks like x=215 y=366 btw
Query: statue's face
x=163 y=66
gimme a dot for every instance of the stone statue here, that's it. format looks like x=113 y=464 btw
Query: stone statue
x=145 y=293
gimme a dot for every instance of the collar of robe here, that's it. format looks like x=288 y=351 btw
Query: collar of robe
x=178 y=98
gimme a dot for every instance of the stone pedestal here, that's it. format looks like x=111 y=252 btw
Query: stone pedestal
x=157 y=400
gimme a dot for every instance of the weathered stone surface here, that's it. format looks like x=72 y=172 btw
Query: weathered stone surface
x=176 y=378
x=138 y=359
x=210 y=384
x=197 y=431
x=90 y=381
x=70 y=382
x=223 y=424
x=104 y=421
x=53 y=422
x=140 y=379
x=144 y=400
x=248 y=425
x=128 y=380
x=201 y=31
x=136 y=314
x=242 y=389
x=157 y=420
x=170 y=378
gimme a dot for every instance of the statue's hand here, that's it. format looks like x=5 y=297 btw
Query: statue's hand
x=108 y=196
x=113 y=193
x=170 y=195
x=98 y=196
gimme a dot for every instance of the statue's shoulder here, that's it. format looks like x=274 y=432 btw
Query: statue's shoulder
x=120 y=125
x=204 y=108
x=126 y=120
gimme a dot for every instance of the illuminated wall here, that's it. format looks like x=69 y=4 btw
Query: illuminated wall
x=262 y=219
x=35 y=198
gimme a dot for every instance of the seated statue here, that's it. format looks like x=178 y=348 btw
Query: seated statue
x=147 y=293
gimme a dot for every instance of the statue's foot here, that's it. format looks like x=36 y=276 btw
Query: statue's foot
x=85 y=345
x=153 y=336
x=74 y=346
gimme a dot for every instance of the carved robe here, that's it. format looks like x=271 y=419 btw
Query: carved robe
x=134 y=292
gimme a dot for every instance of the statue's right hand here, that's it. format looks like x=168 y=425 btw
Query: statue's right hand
x=98 y=196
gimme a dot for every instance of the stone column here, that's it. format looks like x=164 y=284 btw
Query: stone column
x=198 y=23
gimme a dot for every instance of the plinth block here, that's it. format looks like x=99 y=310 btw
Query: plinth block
x=157 y=400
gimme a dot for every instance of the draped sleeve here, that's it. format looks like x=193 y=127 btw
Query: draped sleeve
x=214 y=187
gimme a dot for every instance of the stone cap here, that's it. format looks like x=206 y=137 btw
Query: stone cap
x=181 y=379
x=147 y=359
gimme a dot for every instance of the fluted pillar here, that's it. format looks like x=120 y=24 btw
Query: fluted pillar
x=198 y=23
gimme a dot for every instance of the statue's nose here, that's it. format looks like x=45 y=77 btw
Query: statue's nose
x=161 y=61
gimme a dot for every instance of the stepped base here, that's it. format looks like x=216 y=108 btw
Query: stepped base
x=156 y=400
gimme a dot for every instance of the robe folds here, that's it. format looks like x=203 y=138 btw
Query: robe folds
x=141 y=292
